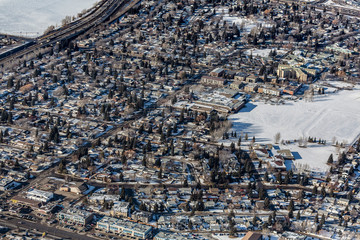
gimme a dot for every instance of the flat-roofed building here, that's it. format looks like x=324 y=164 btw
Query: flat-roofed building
x=217 y=72
x=39 y=195
x=115 y=225
x=75 y=215
x=170 y=236
x=120 y=209
x=213 y=81
x=251 y=87
x=6 y=184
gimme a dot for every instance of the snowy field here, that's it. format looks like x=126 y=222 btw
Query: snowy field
x=329 y=116
x=247 y=23
x=32 y=17
x=263 y=52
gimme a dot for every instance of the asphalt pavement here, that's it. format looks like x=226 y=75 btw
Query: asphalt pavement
x=13 y=223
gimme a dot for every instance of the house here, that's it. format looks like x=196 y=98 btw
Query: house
x=240 y=76
x=142 y=216
x=252 y=79
x=209 y=204
x=6 y=184
x=343 y=201
x=217 y=72
x=252 y=236
x=120 y=209
x=276 y=163
x=286 y=154
x=251 y=87
x=236 y=85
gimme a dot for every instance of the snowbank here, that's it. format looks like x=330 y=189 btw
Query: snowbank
x=32 y=17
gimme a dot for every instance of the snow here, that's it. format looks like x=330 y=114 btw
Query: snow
x=225 y=236
x=339 y=84
x=247 y=23
x=351 y=6
x=32 y=17
x=263 y=52
x=328 y=116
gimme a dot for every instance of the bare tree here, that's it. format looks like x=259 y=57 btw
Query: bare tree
x=334 y=140
x=302 y=142
x=277 y=137
x=49 y=29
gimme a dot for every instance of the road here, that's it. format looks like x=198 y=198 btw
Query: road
x=99 y=14
x=14 y=223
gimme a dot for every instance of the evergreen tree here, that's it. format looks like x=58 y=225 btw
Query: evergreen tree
x=10 y=120
x=160 y=173
x=330 y=159
x=291 y=205
x=239 y=141
x=266 y=177
x=190 y=225
x=314 y=190
x=10 y=82
x=322 y=221
x=323 y=192
x=291 y=214
x=267 y=203
x=279 y=178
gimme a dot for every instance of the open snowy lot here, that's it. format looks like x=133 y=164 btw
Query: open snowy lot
x=263 y=52
x=243 y=22
x=32 y=17
x=330 y=116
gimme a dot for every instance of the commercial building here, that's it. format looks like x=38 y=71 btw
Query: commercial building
x=115 y=225
x=39 y=195
x=213 y=81
x=78 y=188
x=169 y=236
x=75 y=216
x=270 y=91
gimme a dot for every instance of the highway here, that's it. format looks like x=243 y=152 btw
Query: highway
x=99 y=14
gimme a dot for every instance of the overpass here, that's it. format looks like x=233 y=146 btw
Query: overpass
x=99 y=14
